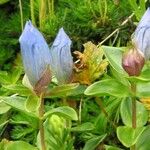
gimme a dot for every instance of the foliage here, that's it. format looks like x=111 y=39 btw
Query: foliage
x=95 y=110
x=83 y=20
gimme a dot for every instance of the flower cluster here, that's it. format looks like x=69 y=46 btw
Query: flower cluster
x=40 y=61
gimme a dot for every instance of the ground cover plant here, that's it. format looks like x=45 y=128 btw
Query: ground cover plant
x=65 y=89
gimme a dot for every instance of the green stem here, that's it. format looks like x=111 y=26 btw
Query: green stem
x=41 y=126
x=42 y=13
x=21 y=14
x=32 y=11
x=49 y=6
x=133 y=88
x=52 y=7
x=80 y=110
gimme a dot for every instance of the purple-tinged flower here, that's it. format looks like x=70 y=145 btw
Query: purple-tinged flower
x=133 y=62
x=36 y=56
x=62 y=63
x=141 y=36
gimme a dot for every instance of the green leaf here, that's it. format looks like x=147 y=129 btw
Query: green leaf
x=15 y=102
x=143 y=140
x=109 y=87
x=94 y=142
x=64 y=111
x=101 y=123
x=3 y=1
x=32 y=103
x=143 y=89
x=4 y=78
x=60 y=91
x=18 y=89
x=20 y=118
x=108 y=147
x=128 y=136
x=4 y=107
x=16 y=74
x=2 y=127
x=88 y=126
x=10 y=78
x=144 y=76
x=17 y=145
x=18 y=103
x=126 y=113
x=119 y=77
x=4 y=119
x=114 y=56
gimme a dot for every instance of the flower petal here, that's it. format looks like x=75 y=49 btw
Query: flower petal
x=142 y=33
x=62 y=62
x=35 y=53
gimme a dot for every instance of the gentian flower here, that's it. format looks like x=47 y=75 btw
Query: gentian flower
x=36 y=57
x=62 y=63
x=141 y=36
x=133 y=61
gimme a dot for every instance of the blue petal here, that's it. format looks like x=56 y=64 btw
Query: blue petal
x=35 y=53
x=62 y=62
x=142 y=33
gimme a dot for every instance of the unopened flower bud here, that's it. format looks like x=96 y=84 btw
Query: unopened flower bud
x=62 y=62
x=133 y=62
x=36 y=58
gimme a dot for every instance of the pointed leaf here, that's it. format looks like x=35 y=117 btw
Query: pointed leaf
x=18 y=89
x=94 y=142
x=114 y=56
x=109 y=87
x=65 y=90
x=88 y=126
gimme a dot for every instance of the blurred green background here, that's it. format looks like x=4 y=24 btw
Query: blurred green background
x=83 y=20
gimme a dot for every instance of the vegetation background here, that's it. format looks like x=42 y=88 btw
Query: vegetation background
x=83 y=21
x=86 y=20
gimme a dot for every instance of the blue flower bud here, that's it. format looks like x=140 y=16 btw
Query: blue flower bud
x=141 y=36
x=62 y=63
x=36 y=55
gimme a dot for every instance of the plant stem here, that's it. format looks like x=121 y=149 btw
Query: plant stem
x=52 y=6
x=42 y=13
x=41 y=126
x=32 y=11
x=115 y=31
x=21 y=14
x=80 y=110
x=133 y=88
